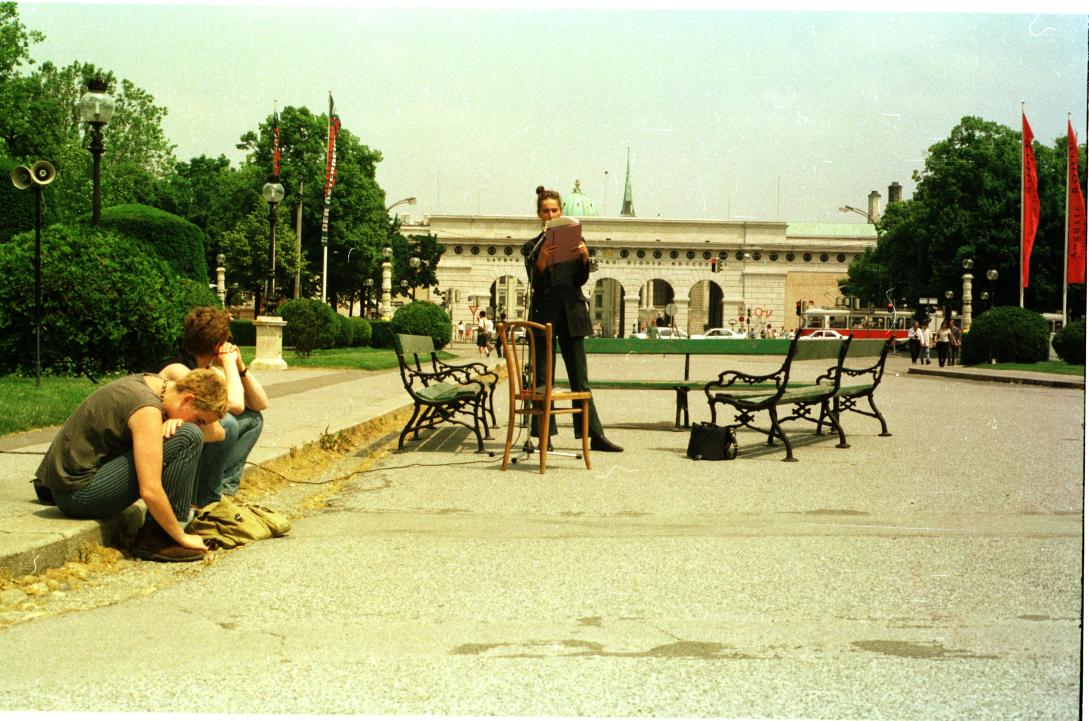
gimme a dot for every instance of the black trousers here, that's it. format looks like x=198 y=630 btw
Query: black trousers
x=915 y=347
x=574 y=360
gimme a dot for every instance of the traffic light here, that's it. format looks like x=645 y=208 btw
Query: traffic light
x=714 y=265
x=889 y=307
x=797 y=307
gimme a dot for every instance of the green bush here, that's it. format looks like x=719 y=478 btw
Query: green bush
x=1007 y=334
x=106 y=304
x=311 y=324
x=243 y=332
x=173 y=238
x=381 y=333
x=1069 y=342
x=16 y=206
x=189 y=294
x=422 y=318
x=361 y=331
x=342 y=338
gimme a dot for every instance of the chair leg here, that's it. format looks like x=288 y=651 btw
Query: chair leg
x=777 y=429
x=586 y=432
x=510 y=435
x=543 y=428
x=884 y=426
x=408 y=426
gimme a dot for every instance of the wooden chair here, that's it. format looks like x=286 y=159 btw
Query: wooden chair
x=531 y=393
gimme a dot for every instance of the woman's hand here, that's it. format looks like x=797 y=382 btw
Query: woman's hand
x=544 y=256
x=191 y=540
x=583 y=252
x=224 y=353
x=171 y=426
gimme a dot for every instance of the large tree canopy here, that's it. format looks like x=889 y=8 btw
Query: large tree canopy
x=967 y=205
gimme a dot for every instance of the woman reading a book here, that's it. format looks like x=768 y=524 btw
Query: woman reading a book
x=558 y=299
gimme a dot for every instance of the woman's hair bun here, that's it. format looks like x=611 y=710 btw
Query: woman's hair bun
x=540 y=189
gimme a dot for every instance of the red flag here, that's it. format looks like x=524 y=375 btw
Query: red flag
x=1030 y=199
x=330 y=168
x=1075 y=214
x=275 y=143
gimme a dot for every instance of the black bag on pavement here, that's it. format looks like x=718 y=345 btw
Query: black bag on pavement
x=709 y=442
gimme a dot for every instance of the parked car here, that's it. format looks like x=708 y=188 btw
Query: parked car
x=719 y=333
x=825 y=333
x=664 y=333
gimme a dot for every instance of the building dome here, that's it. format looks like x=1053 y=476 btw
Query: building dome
x=578 y=205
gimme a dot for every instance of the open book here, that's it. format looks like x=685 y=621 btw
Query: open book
x=563 y=235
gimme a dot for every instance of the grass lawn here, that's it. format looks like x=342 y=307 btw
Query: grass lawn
x=24 y=406
x=1056 y=366
x=364 y=358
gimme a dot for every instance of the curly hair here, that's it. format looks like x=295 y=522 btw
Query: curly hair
x=205 y=329
x=209 y=390
x=543 y=195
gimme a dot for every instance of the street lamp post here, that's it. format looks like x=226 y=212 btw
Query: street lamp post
x=36 y=176
x=992 y=276
x=852 y=209
x=273 y=193
x=96 y=107
x=369 y=282
x=402 y=201
x=948 y=307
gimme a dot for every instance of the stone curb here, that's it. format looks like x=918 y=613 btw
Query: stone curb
x=990 y=377
x=67 y=536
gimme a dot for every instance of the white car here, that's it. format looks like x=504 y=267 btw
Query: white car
x=823 y=333
x=664 y=333
x=720 y=333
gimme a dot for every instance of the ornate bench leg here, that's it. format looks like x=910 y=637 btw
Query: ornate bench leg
x=884 y=426
x=776 y=429
x=682 y=406
x=408 y=427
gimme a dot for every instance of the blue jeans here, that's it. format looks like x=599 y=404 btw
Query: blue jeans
x=222 y=463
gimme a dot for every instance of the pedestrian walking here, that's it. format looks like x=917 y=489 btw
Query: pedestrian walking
x=915 y=341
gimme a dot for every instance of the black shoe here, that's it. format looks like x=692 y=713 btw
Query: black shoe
x=603 y=444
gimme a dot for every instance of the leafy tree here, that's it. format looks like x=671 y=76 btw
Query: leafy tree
x=15 y=41
x=967 y=205
x=246 y=249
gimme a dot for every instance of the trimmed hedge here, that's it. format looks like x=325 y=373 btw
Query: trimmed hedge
x=107 y=305
x=1069 y=342
x=381 y=333
x=243 y=332
x=1007 y=334
x=311 y=324
x=173 y=238
x=342 y=337
x=423 y=318
x=361 y=331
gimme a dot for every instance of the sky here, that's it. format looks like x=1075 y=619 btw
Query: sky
x=729 y=114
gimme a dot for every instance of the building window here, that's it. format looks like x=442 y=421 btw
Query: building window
x=657 y=253
x=722 y=255
x=508 y=250
x=756 y=255
x=458 y=250
x=691 y=255
x=593 y=252
x=841 y=258
x=673 y=254
x=623 y=252
x=790 y=257
x=707 y=255
x=640 y=253
x=739 y=255
x=824 y=257
x=491 y=250
x=807 y=257
x=774 y=257
x=475 y=250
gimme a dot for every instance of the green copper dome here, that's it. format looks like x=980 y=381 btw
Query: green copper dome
x=578 y=205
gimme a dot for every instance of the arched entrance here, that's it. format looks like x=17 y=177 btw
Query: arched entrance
x=654 y=296
x=508 y=297
x=704 y=306
x=607 y=308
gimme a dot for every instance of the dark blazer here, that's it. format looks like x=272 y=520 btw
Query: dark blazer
x=558 y=289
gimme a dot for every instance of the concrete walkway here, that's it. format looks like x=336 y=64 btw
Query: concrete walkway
x=306 y=404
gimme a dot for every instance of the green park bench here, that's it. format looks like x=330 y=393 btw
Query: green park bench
x=444 y=393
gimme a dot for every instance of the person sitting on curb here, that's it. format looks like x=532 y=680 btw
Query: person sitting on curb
x=138 y=437
x=205 y=344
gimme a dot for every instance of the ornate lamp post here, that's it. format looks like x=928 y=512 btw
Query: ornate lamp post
x=273 y=193
x=96 y=108
x=948 y=307
x=387 y=273
x=221 y=278
x=966 y=294
x=992 y=276
x=369 y=282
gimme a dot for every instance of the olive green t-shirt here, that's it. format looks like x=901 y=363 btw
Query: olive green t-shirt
x=96 y=432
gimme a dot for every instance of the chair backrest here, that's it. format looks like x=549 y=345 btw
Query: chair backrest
x=409 y=348
x=522 y=385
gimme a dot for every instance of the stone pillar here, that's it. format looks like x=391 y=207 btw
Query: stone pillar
x=966 y=302
x=386 y=309
x=221 y=284
x=631 y=315
x=270 y=343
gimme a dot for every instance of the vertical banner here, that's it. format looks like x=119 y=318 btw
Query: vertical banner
x=330 y=169
x=1075 y=212
x=1030 y=200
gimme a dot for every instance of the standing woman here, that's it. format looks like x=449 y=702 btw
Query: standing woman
x=945 y=337
x=138 y=437
x=558 y=299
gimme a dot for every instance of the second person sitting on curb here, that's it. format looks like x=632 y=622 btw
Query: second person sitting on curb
x=206 y=344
